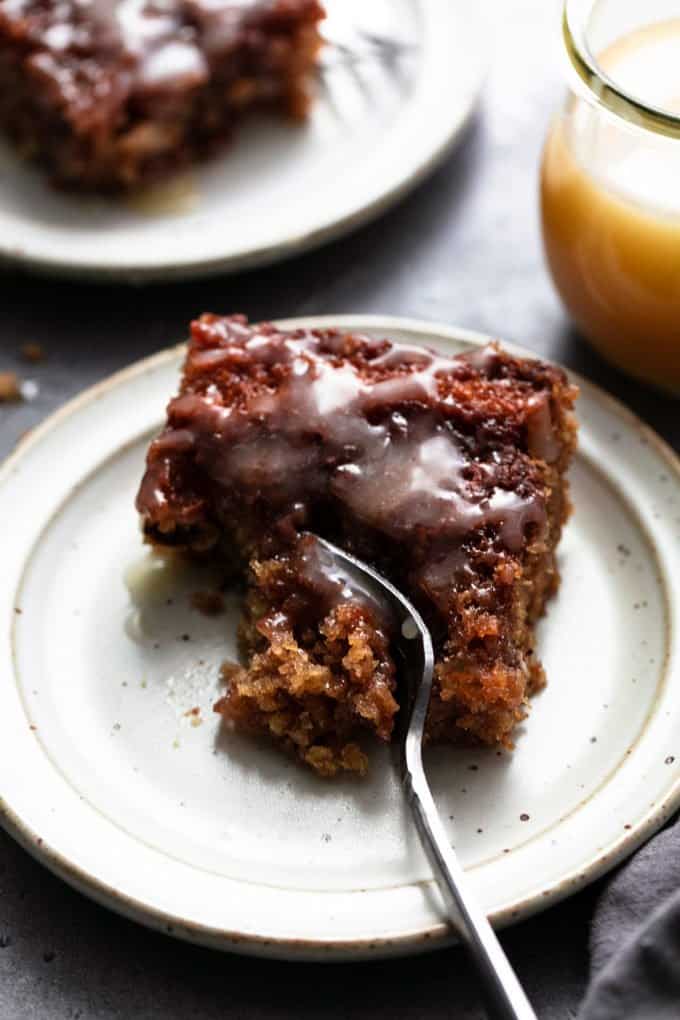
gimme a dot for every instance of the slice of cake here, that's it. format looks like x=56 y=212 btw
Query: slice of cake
x=446 y=473
x=113 y=94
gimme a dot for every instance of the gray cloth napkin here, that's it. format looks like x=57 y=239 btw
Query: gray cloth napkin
x=635 y=939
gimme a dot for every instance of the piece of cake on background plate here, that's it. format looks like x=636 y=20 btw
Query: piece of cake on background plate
x=111 y=95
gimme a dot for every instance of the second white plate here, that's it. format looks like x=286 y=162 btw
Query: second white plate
x=110 y=778
x=376 y=129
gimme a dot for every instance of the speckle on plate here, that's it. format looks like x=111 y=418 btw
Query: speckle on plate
x=210 y=603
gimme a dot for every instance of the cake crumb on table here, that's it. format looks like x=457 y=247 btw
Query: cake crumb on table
x=10 y=388
x=33 y=352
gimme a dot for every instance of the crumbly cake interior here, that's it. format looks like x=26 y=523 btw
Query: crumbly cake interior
x=319 y=657
x=114 y=94
x=446 y=473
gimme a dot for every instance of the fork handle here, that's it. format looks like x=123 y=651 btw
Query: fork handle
x=504 y=995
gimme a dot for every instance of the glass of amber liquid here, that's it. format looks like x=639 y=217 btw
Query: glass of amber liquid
x=610 y=183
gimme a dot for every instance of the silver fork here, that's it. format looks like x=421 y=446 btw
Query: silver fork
x=504 y=996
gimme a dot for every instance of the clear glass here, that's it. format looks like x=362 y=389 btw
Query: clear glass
x=610 y=183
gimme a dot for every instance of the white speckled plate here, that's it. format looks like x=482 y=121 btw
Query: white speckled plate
x=377 y=128
x=107 y=779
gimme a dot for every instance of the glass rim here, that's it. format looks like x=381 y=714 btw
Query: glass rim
x=600 y=85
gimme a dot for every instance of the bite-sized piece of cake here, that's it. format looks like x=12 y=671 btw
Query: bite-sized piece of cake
x=113 y=94
x=446 y=473
x=319 y=662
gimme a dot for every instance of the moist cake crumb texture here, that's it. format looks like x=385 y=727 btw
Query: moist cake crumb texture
x=110 y=95
x=446 y=473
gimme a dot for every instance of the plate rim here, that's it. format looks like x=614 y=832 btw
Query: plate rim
x=263 y=255
x=435 y=935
